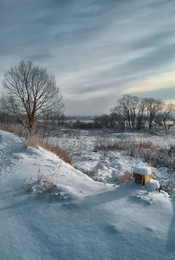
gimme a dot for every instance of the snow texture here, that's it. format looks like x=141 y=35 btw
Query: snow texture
x=87 y=220
x=143 y=170
x=153 y=185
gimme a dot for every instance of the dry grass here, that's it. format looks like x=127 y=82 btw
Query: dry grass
x=35 y=141
x=146 y=150
x=142 y=144
x=48 y=185
x=44 y=188
x=124 y=144
x=14 y=129
x=104 y=144
x=125 y=178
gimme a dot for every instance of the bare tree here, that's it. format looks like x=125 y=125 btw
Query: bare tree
x=166 y=119
x=130 y=107
x=135 y=113
x=141 y=114
x=153 y=106
x=102 y=121
x=30 y=93
x=118 y=118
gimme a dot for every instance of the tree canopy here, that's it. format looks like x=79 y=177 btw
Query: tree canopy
x=30 y=93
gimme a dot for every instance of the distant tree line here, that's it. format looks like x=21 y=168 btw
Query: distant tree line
x=135 y=113
x=32 y=98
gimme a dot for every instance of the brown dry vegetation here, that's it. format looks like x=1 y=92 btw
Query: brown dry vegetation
x=143 y=149
x=124 y=145
x=145 y=144
x=104 y=144
x=44 y=188
x=14 y=129
x=35 y=141
x=126 y=177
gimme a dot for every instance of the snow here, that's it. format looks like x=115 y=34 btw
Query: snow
x=153 y=185
x=80 y=219
x=143 y=170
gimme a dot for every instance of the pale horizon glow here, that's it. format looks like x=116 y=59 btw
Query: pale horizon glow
x=160 y=82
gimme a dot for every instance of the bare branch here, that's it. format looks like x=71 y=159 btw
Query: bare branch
x=30 y=92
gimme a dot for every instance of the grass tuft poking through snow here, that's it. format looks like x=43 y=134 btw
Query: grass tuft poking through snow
x=44 y=188
x=125 y=178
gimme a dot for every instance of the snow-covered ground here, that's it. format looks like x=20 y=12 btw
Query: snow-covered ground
x=50 y=210
x=109 y=166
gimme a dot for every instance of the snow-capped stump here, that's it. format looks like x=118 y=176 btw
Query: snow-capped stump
x=142 y=175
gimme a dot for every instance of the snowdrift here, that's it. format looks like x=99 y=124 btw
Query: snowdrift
x=87 y=220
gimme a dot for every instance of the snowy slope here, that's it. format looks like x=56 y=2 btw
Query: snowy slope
x=91 y=220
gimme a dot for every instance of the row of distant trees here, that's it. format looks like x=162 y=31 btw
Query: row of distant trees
x=135 y=113
x=32 y=98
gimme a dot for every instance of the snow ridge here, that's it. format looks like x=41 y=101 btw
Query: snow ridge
x=93 y=220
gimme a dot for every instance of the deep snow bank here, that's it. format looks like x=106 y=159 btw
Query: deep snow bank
x=92 y=221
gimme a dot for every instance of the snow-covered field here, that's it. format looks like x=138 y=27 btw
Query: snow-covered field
x=50 y=210
x=108 y=166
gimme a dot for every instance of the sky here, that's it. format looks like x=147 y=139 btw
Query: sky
x=98 y=50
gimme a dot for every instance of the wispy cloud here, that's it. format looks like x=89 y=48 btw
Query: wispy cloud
x=97 y=49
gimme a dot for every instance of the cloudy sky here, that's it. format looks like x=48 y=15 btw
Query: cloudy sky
x=97 y=50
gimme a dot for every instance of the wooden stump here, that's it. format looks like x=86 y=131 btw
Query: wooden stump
x=139 y=179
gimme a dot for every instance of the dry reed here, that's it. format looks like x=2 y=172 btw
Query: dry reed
x=35 y=141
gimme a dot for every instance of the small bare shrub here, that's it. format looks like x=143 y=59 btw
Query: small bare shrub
x=44 y=187
x=48 y=185
x=142 y=144
x=125 y=178
x=105 y=144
